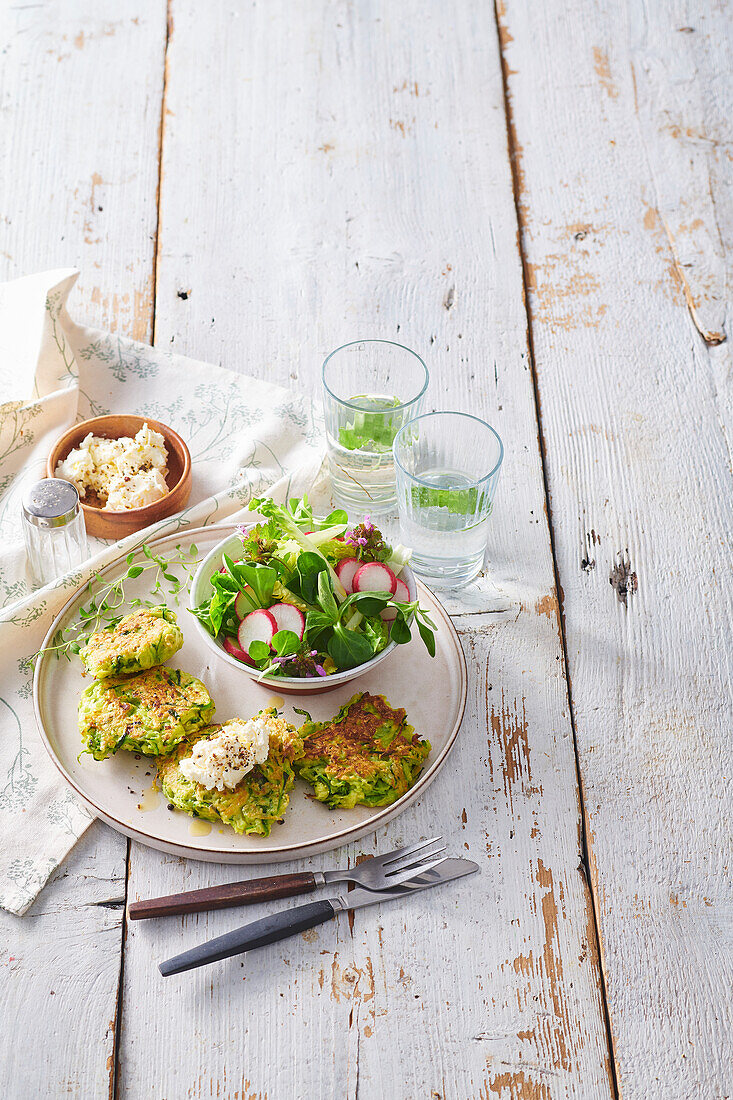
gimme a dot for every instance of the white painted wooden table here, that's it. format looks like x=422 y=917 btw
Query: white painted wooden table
x=537 y=197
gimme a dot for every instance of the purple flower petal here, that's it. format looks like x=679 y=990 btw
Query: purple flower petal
x=321 y=670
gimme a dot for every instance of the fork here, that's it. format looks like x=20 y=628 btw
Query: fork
x=380 y=873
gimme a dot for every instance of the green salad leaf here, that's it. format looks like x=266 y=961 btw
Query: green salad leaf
x=285 y=641
x=309 y=566
x=349 y=649
x=427 y=635
x=325 y=597
x=316 y=622
x=377 y=631
x=255 y=580
x=400 y=631
x=259 y=651
x=284 y=520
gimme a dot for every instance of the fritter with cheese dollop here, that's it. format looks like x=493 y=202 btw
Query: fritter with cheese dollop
x=256 y=800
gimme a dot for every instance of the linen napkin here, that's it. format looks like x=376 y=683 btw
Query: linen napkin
x=246 y=437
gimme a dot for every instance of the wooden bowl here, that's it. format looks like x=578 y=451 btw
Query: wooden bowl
x=116 y=525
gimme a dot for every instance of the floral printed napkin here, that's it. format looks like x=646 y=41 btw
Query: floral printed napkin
x=246 y=437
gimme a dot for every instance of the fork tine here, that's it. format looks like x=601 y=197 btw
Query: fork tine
x=413 y=861
x=388 y=857
x=406 y=876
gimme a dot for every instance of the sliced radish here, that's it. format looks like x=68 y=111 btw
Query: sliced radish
x=257 y=626
x=402 y=595
x=288 y=617
x=234 y=650
x=345 y=571
x=243 y=605
x=374 y=577
x=402 y=592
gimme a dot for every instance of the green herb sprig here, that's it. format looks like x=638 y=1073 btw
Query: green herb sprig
x=108 y=602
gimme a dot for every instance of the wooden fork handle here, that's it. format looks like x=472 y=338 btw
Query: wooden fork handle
x=224 y=896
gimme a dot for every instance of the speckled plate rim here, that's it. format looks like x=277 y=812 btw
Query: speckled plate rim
x=281 y=853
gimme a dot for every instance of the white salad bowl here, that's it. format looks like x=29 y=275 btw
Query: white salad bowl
x=288 y=685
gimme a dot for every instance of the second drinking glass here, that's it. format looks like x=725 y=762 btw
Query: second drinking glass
x=447 y=466
x=370 y=389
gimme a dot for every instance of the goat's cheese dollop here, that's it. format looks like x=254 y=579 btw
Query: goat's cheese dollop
x=222 y=761
x=124 y=473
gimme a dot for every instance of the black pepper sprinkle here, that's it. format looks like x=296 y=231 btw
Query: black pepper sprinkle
x=171 y=806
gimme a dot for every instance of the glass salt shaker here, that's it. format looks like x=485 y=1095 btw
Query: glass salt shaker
x=53 y=529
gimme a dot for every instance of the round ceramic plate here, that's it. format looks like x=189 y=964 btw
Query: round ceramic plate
x=121 y=790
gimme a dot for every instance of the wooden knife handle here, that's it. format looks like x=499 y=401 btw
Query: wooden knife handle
x=224 y=896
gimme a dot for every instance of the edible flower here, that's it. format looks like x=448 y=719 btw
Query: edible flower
x=367 y=542
x=304 y=663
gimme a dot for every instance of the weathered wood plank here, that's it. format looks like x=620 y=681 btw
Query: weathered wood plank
x=680 y=59
x=350 y=176
x=61 y=965
x=634 y=413
x=80 y=87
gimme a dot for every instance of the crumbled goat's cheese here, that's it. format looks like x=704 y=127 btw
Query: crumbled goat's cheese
x=124 y=473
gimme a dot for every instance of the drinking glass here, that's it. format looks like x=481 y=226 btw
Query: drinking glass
x=370 y=389
x=446 y=465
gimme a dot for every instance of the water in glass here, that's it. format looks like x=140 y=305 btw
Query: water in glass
x=447 y=465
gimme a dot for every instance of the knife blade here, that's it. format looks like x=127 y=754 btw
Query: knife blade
x=280 y=926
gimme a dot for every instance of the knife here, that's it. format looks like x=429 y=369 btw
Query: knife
x=279 y=926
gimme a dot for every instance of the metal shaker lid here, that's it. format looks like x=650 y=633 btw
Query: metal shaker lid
x=52 y=502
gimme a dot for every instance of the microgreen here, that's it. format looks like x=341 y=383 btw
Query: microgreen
x=107 y=601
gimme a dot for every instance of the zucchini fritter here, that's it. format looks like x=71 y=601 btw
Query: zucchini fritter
x=259 y=799
x=149 y=712
x=145 y=638
x=366 y=755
